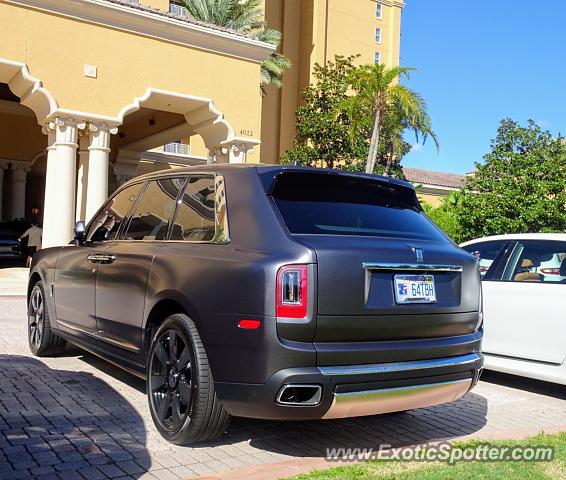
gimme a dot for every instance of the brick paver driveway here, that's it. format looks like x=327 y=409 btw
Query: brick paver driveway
x=76 y=416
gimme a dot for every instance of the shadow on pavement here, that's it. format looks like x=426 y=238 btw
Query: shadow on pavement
x=59 y=421
x=523 y=383
x=311 y=439
x=66 y=421
x=302 y=439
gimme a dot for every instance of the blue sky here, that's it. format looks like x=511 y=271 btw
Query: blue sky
x=479 y=62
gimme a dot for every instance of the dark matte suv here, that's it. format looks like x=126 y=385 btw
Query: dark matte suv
x=268 y=292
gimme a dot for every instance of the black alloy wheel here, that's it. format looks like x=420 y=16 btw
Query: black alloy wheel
x=35 y=318
x=170 y=380
x=42 y=340
x=180 y=387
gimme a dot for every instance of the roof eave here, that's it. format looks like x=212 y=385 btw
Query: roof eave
x=152 y=24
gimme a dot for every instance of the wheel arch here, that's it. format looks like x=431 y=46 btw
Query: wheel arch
x=33 y=279
x=167 y=303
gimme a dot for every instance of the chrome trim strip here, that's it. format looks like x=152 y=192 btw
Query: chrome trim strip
x=375 y=368
x=99 y=336
x=423 y=267
x=387 y=400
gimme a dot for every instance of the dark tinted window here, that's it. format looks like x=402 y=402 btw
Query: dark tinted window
x=154 y=211
x=486 y=252
x=339 y=205
x=107 y=223
x=195 y=214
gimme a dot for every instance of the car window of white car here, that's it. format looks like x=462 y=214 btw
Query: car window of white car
x=486 y=253
x=537 y=261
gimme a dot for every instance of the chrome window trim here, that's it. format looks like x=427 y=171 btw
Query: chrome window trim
x=427 y=267
x=222 y=230
x=375 y=368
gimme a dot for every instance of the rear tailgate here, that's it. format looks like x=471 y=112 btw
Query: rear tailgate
x=356 y=289
x=366 y=232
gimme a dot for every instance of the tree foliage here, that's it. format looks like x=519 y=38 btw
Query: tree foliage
x=446 y=216
x=336 y=121
x=323 y=125
x=392 y=108
x=244 y=16
x=521 y=187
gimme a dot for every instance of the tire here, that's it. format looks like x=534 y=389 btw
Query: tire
x=180 y=387
x=42 y=340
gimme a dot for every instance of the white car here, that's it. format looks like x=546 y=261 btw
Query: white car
x=524 y=299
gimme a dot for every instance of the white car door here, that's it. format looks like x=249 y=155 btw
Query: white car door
x=525 y=311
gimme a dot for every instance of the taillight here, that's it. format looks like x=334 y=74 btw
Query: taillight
x=292 y=291
x=550 y=271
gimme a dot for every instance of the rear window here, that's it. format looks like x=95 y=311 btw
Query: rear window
x=323 y=204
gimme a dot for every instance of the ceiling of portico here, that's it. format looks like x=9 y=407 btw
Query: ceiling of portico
x=21 y=138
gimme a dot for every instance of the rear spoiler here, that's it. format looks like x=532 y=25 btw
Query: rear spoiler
x=274 y=179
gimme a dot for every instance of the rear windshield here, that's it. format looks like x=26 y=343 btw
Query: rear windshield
x=319 y=204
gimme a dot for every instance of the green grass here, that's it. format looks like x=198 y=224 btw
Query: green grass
x=502 y=470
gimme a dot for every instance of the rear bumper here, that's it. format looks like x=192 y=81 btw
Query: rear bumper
x=356 y=390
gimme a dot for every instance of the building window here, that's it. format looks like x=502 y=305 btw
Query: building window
x=377 y=58
x=378 y=35
x=378 y=12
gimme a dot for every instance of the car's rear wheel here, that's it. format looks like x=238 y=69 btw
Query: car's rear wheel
x=42 y=340
x=180 y=386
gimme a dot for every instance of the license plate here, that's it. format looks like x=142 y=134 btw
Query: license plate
x=414 y=289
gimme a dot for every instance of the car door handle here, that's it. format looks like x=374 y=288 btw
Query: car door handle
x=101 y=258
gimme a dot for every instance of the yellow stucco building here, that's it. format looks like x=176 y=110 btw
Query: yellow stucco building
x=314 y=31
x=94 y=92
x=87 y=87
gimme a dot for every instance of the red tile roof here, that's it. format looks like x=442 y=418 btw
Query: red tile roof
x=430 y=177
x=187 y=19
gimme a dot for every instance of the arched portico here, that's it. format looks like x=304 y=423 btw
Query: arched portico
x=73 y=193
x=173 y=79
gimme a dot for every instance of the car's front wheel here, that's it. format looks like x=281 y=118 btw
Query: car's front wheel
x=180 y=386
x=42 y=340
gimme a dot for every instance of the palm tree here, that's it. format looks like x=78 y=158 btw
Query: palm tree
x=377 y=88
x=244 y=16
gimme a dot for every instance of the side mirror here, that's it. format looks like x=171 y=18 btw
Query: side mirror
x=80 y=231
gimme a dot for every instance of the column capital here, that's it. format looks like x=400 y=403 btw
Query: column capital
x=97 y=126
x=20 y=166
x=232 y=151
x=66 y=130
x=100 y=136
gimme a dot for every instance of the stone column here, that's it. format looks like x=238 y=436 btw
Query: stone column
x=19 y=178
x=82 y=178
x=3 y=166
x=99 y=151
x=60 y=182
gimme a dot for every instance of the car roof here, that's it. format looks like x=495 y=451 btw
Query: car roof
x=265 y=168
x=519 y=236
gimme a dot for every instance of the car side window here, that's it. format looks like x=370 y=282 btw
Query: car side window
x=486 y=253
x=537 y=262
x=195 y=219
x=154 y=211
x=106 y=224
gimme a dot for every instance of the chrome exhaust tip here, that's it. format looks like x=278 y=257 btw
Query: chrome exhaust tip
x=299 y=395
